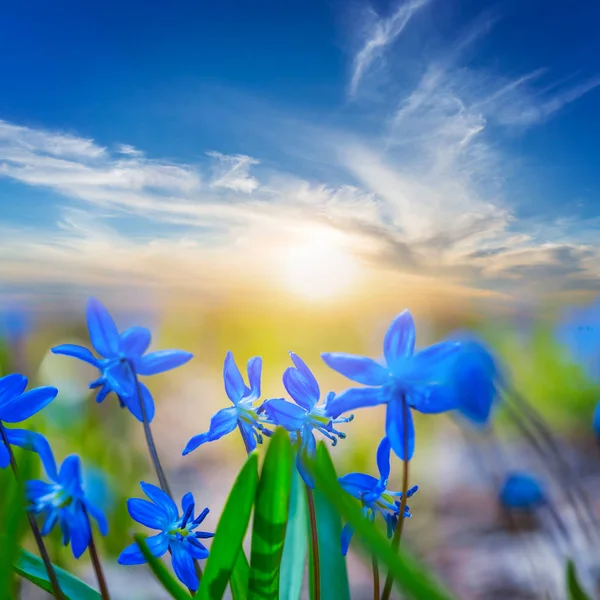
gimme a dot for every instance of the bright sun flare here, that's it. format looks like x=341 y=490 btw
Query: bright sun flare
x=318 y=266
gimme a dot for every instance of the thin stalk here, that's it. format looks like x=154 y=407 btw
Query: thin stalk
x=314 y=540
x=375 y=578
x=98 y=568
x=56 y=591
x=389 y=580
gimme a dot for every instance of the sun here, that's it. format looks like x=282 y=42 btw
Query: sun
x=317 y=265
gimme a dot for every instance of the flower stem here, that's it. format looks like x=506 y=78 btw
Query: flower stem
x=56 y=591
x=97 y=565
x=314 y=540
x=375 y=578
x=389 y=580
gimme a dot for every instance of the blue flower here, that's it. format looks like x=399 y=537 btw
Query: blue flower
x=243 y=414
x=122 y=359
x=375 y=498
x=17 y=405
x=522 y=491
x=421 y=380
x=63 y=501
x=176 y=535
x=306 y=415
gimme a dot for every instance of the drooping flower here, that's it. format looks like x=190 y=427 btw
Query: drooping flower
x=17 y=405
x=304 y=417
x=177 y=533
x=63 y=501
x=243 y=414
x=122 y=360
x=420 y=380
x=375 y=498
x=522 y=491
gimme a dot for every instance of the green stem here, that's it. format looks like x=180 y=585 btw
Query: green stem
x=389 y=580
x=375 y=578
x=314 y=540
x=56 y=591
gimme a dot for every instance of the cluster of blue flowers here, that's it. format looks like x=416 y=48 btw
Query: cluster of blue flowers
x=454 y=375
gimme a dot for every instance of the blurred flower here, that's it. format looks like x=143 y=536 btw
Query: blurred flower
x=301 y=418
x=63 y=500
x=596 y=420
x=17 y=405
x=374 y=496
x=15 y=322
x=475 y=375
x=123 y=359
x=579 y=332
x=176 y=533
x=522 y=491
x=243 y=414
x=421 y=380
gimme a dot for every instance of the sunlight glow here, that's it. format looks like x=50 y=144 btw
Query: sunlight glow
x=318 y=266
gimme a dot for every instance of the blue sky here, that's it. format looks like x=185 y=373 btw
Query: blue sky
x=448 y=140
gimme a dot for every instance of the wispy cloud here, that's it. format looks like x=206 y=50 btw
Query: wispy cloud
x=381 y=34
x=233 y=172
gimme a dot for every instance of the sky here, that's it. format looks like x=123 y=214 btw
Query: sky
x=317 y=149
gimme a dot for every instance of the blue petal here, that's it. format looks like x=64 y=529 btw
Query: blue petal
x=161 y=361
x=70 y=472
x=50 y=522
x=299 y=388
x=596 y=420
x=248 y=436
x=433 y=364
x=133 y=404
x=120 y=379
x=160 y=498
x=346 y=537
x=383 y=460
x=284 y=413
x=395 y=428
x=187 y=501
x=357 y=398
x=11 y=386
x=196 y=549
x=521 y=490
x=399 y=341
x=358 y=368
x=148 y=514
x=306 y=452
x=222 y=423
x=434 y=399
x=79 y=527
x=132 y=555
x=254 y=374
x=311 y=383
x=28 y=404
x=104 y=391
x=235 y=388
x=4 y=456
x=357 y=484
x=98 y=516
x=183 y=565
x=35 y=442
x=103 y=331
x=134 y=341
x=76 y=352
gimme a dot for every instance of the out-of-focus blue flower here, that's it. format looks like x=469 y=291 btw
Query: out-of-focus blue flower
x=243 y=414
x=374 y=496
x=421 y=380
x=306 y=415
x=177 y=534
x=15 y=322
x=123 y=359
x=63 y=501
x=522 y=491
x=475 y=375
x=579 y=331
x=17 y=405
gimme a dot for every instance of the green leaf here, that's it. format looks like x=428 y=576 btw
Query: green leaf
x=166 y=578
x=576 y=592
x=230 y=533
x=270 y=518
x=334 y=577
x=240 y=577
x=413 y=577
x=32 y=568
x=293 y=560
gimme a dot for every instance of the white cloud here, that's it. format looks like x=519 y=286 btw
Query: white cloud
x=129 y=150
x=233 y=172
